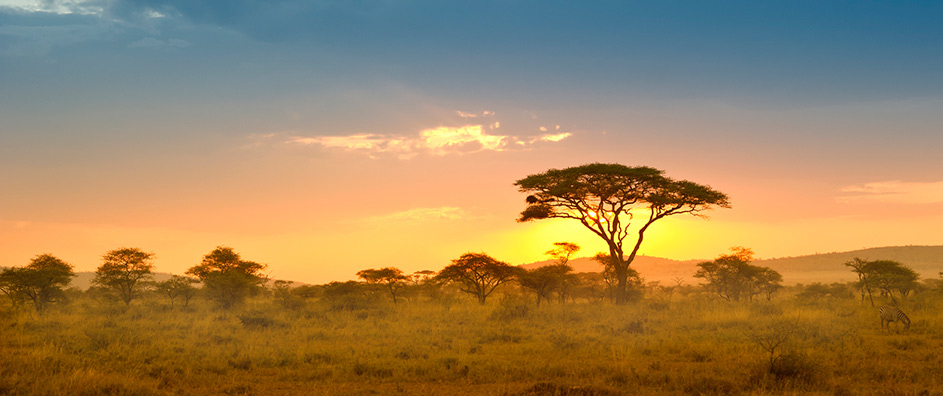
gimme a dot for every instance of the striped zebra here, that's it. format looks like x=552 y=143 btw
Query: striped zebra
x=893 y=314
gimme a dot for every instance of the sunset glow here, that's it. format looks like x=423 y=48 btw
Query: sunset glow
x=322 y=140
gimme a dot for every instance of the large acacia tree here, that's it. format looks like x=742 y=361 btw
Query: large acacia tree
x=615 y=202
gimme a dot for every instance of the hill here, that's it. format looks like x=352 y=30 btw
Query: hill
x=825 y=268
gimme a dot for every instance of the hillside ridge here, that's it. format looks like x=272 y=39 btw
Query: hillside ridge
x=819 y=267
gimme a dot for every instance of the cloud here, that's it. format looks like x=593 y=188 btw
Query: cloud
x=440 y=141
x=61 y=7
x=894 y=192
x=555 y=137
x=422 y=215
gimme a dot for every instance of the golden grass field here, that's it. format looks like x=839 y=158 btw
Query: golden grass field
x=690 y=345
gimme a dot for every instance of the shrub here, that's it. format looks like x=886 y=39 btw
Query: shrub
x=510 y=308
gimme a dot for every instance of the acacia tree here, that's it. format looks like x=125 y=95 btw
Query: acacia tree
x=886 y=276
x=892 y=277
x=41 y=281
x=562 y=251
x=857 y=265
x=605 y=198
x=478 y=274
x=227 y=278
x=546 y=280
x=124 y=271
x=733 y=278
x=178 y=286
x=392 y=278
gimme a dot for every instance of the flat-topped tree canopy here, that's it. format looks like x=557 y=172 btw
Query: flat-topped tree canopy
x=606 y=198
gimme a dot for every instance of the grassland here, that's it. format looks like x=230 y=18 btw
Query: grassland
x=690 y=345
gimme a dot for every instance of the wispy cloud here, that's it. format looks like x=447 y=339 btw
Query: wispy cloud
x=894 y=192
x=153 y=43
x=440 y=141
x=417 y=215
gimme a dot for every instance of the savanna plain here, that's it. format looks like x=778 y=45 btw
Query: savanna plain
x=813 y=339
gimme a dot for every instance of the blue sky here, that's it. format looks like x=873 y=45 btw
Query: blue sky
x=156 y=117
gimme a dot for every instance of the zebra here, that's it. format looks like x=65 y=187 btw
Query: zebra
x=893 y=314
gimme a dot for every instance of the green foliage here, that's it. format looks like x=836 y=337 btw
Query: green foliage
x=41 y=281
x=602 y=196
x=732 y=277
x=124 y=271
x=227 y=279
x=478 y=274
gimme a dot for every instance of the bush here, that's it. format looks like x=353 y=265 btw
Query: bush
x=510 y=308
x=257 y=320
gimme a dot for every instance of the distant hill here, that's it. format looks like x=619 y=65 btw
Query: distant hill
x=826 y=268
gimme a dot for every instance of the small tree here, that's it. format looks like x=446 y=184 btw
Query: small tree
x=178 y=286
x=392 y=278
x=610 y=275
x=227 y=278
x=124 y=272
x=546 y=280
x=891 y=277
x=887 y=276
x=41 y=281
x=732 y=277
x=591 y=286
x=478 y=274
x=11 y=286
x=562 y=251
x=857 y=265
x=769 y=282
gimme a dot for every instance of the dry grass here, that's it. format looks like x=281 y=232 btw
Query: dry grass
x=694 y=346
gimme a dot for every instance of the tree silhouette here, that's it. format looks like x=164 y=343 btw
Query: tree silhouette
x=562 y=251
x=732 y=277
x=178 y=286
x=603 y=198
x=546 y=280
x=227 y=279
x=123 y=271
x=41 y=281
x=392 y=278
x=478 y=274
x=886 y=276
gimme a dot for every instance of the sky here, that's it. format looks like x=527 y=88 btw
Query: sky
x=326 y=137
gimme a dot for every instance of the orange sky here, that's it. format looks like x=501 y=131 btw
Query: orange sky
x=317 y=214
